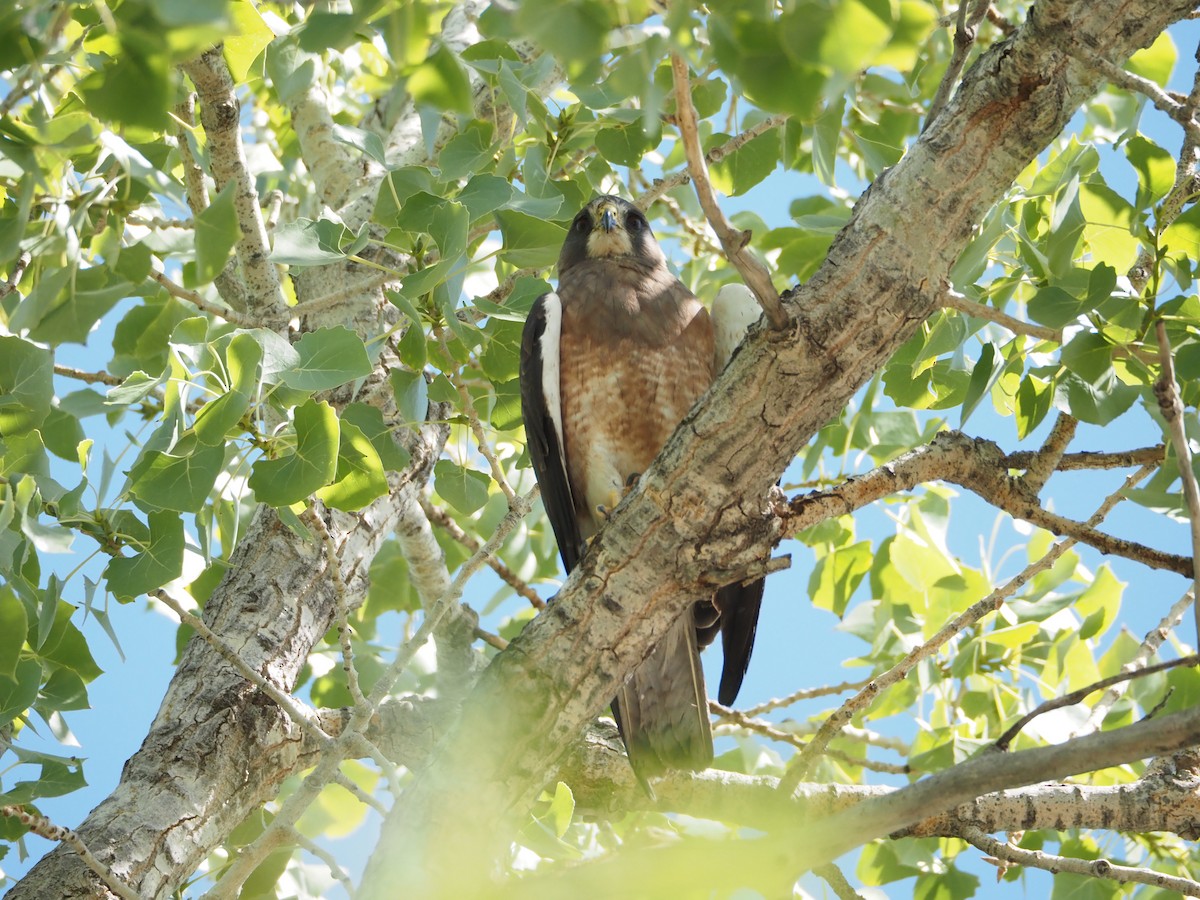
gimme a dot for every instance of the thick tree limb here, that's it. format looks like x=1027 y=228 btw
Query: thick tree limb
x=694 y=521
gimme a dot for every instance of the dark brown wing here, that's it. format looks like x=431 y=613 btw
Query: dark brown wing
x=739 y=605
x=545 y=450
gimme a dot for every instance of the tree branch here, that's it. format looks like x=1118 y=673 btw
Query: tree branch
x=1097 y=868
x=1166 y=389
x=219 y=114
x=753 y=272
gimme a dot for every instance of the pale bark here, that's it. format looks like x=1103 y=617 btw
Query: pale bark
x=695 y=518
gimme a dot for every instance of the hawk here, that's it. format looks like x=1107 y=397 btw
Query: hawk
x=610 y=364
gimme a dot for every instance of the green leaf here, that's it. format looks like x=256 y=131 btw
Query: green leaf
x=412 y=395
x=156 y=563
x=441 y=82
x=329 y=357
x=305 y=242
x=17 y=694
x=282 y=482
x=1157 y=61
x=837 y=576
x=180 y=480
x=13 y=625
x=467 y=152
x=369 y=420
x=221 y=418
x=26 y=385
x=63 y=690
x=562 y=808
x=983 y=375
x=360 y=477
x=1155 y=168
x=217 y=231
x=746 y=166
x=464 y=489
x=250 y=37
x=827 y=135
x=529 y=242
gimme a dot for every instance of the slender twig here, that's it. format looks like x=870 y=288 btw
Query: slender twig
x=799 y=765
x=1166 y=389
x=43 y=827
x=1098 y=868
x=957 y=301
x=805 y=694
x=444 y=520
x=1149 y=646
x=966 y=29
x=753 y=272
x=334 y=566
x=1078 y=696
x=493 y=640
x=1136 y=83
x=87 y=377
x=1047 y=459
x=14 y=278
x=221 y=312
x=481 y=440
x=331 y=862
x=662 y=185
x=837 y=882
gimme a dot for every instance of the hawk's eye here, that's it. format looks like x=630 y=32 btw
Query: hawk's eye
x=581 y=224
x=635 y=222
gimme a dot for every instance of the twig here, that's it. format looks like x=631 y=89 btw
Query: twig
x=1077 y=696
x=43 y=827
x=837 y=882
x=1166 y=389
x=957 y=301
x=979 y=466
x=493 y=640
x=444 y=520
x=87 y=377
x=799 y=765
x=333 y=561
x=964 y=36
x=753 y=272
x=177 y=290
x=1091 y=459
x=481 y=440
x=805 y=694
x=662 y=185
x=1139 y=85
x=335 y=869
x=1047 y=459
x=20 y=264
x=1098 y=868
x=1150 y=644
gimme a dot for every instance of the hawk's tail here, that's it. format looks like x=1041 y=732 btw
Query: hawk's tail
x=662 y=710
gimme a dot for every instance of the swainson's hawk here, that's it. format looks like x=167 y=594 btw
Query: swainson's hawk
x=610 y=364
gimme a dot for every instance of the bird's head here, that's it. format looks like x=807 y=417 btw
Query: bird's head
x=610 y=228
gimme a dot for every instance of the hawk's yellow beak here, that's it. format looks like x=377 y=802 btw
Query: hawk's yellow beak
x=608 y=219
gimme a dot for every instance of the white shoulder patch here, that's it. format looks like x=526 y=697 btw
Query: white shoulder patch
x=734 y=310
x=551 y=366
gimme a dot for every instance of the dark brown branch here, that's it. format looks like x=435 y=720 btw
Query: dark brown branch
x=1078 y=696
